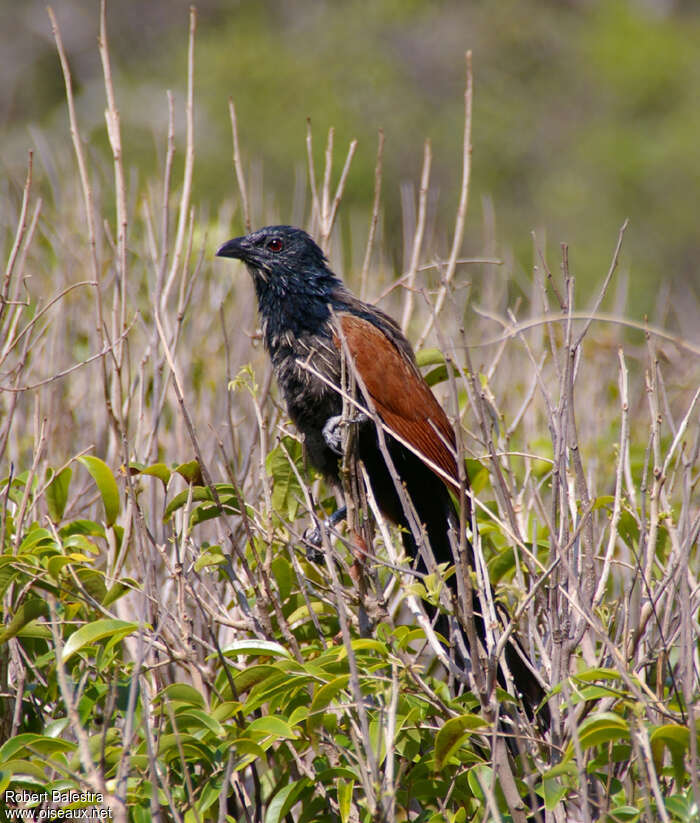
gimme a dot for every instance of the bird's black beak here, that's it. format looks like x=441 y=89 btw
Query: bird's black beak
x=237 y=248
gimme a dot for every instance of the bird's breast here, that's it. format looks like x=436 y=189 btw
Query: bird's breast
x=307 y=369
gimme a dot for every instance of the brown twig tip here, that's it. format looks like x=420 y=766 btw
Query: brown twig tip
x=238 y=166
x=460 y=219
x=375 y=214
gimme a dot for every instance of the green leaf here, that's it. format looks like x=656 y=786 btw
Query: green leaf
x=286 y=490
x=285 y=798
x=196 y=493
x=329 y=691
x=82 y=527
x=246 y=752
x=436 y=375
x=592 y=675
x=681 y=807
x=623 y=814
x=479 y=776
x=253 y=676
x=430 y=357
x=453 y=733
x=628 y=528
x=245 y=379
x=327 y=775
x=677 y=740
x=318 y=607
x=601 y=728
x=345 y=789
x=227 y=497
x=671 y=735
x=213 y=557
x=118 y=589
x=81 y=543
x=210 y=794
x=57 y=493
x=55 y=564
x=107 y=485
x=182 y=693
x=189 y=718
x=191 y=472
x=36 y=538
x=28 y=611
x=501 y=564
x=477 y=473
x=283 y=574
x=568 y=769
x=35 y=630
x=226 y=710
x=360 y=644
x=325 y=695
x=439 y=374
x=93 y=581
x=32 y=773
x=170 y=746
x=9 y=571
x=271 y=726
x=204 y=513
x=22 y=744
x=159 y=470
x=91 y=633
x=281 y=687
x=553 y=790
x=298 y=715
x=601 y=673
x=405 y=636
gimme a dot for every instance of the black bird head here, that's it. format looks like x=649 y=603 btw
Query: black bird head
x=283 y=260
x=291 y=276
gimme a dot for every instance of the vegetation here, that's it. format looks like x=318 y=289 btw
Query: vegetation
x=168 y=648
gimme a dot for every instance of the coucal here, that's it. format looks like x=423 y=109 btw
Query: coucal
x=309 y=318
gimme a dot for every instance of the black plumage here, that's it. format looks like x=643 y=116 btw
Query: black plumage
x=308 y=316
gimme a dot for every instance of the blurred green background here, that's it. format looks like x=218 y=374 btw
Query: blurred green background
x=585 y=113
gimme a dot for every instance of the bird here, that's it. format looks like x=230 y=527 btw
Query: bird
x=309 y=321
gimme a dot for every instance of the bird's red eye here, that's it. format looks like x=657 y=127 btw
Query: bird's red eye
x=275 y=244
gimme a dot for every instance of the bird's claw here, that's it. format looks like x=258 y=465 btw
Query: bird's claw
x=313 y=536
x=333 y=430
x=313 y=540
x=333 y=433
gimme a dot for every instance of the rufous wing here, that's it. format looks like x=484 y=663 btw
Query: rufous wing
x=399 y=393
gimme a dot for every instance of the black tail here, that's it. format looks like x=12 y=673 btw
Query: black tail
x=436 y=511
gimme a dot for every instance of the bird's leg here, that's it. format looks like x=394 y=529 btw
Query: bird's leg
x=333 y=430
x=312 y=536
x=332 y=433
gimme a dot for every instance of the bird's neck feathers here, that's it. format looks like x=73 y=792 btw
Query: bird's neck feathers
x=293 y=304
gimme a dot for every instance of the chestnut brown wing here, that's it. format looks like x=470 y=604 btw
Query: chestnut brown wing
x=400 y=395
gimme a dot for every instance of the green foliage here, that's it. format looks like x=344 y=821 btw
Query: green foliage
x=268 y=708
x=286 y=487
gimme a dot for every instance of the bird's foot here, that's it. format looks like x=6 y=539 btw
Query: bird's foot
x=314 y=539
x=333 y=430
